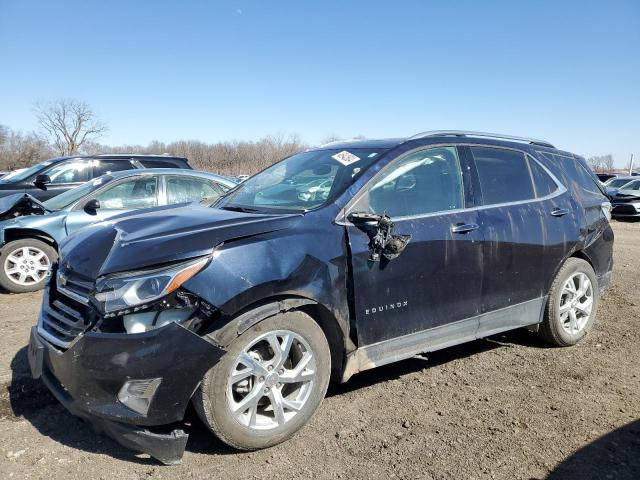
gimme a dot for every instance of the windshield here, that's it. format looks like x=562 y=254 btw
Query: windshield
x=24 y=173
x=69 y=197
x=13 y=174
x=617 y=182
x=634 y=185
x=302 y=182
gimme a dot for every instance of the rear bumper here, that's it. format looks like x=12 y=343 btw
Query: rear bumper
x=87 y=377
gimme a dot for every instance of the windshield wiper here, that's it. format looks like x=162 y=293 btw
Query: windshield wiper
x=238 y=208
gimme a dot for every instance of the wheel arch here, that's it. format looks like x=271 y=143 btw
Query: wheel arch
x=12 y=234
x=228 y=327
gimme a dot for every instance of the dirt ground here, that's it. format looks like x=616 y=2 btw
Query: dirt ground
x=504 y=407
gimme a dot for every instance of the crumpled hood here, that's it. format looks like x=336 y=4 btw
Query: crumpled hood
x=627 y=194
x=165 y=234
x=19 y=204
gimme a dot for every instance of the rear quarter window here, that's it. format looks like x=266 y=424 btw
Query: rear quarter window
x=580 y=180
x=543 y=183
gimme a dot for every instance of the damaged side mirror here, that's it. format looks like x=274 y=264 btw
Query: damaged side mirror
x=42 y=181
x=383 y=242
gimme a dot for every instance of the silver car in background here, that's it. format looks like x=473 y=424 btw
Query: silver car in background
x=30 y=230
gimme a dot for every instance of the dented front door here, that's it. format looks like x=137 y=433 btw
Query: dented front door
x=437 y=278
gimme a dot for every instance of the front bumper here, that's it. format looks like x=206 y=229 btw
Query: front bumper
x=87 y=377
x=625 y=210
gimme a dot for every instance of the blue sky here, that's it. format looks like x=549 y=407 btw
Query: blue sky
x=564 y=71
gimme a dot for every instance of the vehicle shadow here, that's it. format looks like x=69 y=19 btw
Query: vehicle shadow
x=614 y=455
x=30 y=399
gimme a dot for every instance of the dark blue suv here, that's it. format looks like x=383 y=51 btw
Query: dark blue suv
x=335 y=260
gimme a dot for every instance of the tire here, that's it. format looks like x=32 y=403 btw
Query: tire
x=12 y=268
x=215 y=398
x=554 y=325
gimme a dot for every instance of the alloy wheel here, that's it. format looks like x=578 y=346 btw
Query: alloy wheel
x=271 y=380
x=576 y=303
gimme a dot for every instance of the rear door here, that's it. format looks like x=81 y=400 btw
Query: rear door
x=126 y=195
x=437 y=279
x=524 y=220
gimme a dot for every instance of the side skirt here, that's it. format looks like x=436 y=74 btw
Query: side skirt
x=407 y=346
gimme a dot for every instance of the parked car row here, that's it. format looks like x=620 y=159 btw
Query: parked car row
x=31 y=231
x=333 y=261
x=626 y=198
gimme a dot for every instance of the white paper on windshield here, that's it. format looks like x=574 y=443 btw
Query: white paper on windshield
x=345 y=158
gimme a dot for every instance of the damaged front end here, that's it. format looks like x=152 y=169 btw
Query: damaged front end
x=20 y=205
x=125 y=355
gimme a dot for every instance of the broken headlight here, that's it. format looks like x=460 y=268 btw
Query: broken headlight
x=129 y=292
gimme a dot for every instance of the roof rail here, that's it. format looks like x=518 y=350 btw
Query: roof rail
x=336 y=142
x=463 y=133
x=129 y=155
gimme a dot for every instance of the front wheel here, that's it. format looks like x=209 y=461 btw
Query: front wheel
x=25 y=264
x=572 y=305
x=268 y=384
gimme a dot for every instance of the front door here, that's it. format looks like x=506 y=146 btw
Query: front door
x=437 y=279
x=64 y=176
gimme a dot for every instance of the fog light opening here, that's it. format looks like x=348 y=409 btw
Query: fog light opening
x=138 y=394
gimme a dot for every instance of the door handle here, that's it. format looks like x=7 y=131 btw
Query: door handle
x=559 y=212
x=464 y=228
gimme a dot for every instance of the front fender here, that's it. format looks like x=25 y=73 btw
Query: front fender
x=309 y=264
x=34 y=227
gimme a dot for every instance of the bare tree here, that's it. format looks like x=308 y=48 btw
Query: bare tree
x=4 y=133
x=602 y=163
x=68 y=124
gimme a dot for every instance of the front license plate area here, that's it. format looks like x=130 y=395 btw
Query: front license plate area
x=35 y=354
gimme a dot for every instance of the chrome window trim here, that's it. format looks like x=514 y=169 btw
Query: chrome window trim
x=341 y=219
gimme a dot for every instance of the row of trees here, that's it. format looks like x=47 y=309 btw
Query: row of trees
x=69 y=127
x=601 y=163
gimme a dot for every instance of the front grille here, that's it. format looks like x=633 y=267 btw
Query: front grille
x=65 y=312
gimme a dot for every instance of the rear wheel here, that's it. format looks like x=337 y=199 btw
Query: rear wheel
x=268 y=384
x=572 y=304
x=24 y=265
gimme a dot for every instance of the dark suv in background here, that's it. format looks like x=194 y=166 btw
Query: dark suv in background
x=57 y=175
x=333 y=261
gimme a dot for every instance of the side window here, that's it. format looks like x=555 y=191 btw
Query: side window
x=543 y=182
x=579 y=178
x=423 y=182
x=504 y=175
x=634 y=185
x=184 y=189
x=69 y=172
x=101 y=167
x=158 y=164
x=141 y=192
